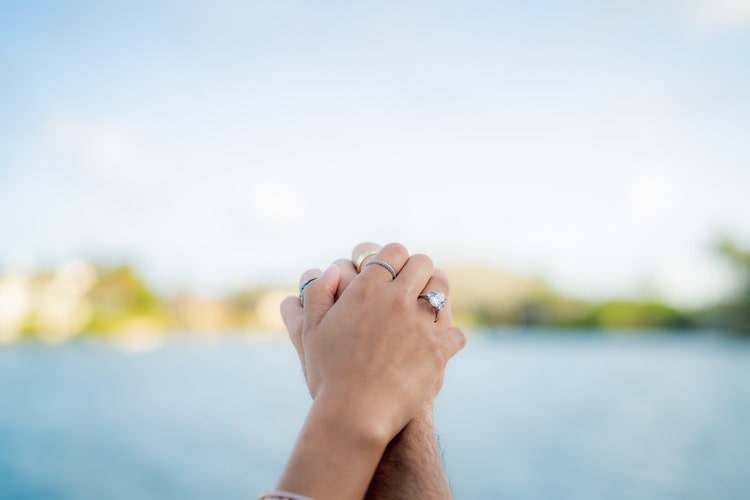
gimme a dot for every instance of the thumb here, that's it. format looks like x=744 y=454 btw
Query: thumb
x=320 y=295
x=454 y=339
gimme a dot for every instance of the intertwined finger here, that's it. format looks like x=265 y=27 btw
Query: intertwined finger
x=320 y=295
x=292 y=313
x=348 y=273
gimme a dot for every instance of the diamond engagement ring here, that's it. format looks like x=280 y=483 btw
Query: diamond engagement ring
x=437 y=300
x=302 y=290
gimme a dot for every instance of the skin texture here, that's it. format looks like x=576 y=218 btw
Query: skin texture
x=410 y=464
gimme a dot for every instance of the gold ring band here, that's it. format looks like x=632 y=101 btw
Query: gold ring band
x=361 y=258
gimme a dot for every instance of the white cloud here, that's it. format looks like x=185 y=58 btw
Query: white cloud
x=655 y=194
x=716 y=16
x=274 y=204
x=108 y=151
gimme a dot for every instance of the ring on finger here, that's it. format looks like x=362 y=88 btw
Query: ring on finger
x=361 y=258
x=437 y=300
x=302 y=290
x=384 y=265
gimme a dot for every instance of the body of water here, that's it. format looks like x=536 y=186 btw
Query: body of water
x=536 y=415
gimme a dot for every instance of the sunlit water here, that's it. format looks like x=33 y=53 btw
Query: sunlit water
x=534 y=416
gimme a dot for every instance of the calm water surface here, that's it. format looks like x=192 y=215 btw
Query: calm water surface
x=533 y=416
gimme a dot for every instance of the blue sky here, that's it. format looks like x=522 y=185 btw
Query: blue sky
x=603 y=145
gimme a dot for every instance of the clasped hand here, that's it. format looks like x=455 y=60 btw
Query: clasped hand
x=368 y=346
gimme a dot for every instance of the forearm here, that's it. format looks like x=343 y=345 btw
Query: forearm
x=334 y=457
x=410 y=466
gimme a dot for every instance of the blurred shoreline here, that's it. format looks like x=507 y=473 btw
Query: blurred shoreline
x=80 y=298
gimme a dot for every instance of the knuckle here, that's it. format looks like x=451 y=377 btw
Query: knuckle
x=344 y=264
x=396 y=249
x=422 y=260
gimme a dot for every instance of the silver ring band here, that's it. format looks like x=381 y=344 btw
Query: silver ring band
x=302 y=290
x=383 y=264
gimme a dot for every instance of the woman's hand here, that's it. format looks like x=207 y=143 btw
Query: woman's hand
x=376 y=349
x=294 y=314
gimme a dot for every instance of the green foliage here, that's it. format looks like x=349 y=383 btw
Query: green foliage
x=121 y=300
x=630 y=314
x=739 y=258
x=119 y=296
x=733 y=313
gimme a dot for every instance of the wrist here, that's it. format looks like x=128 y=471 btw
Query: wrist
x=424 y=417
x=336 y=417
x=335 y=455
x=411 y=466
x=421 y=429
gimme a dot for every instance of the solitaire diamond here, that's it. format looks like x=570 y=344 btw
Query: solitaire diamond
x=437 y=299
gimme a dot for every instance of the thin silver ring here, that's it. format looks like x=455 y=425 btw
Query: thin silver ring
x=384 y=264
x=302 y=290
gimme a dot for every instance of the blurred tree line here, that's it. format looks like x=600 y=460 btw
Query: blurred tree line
x=488 y=298
x=732 y=313
x=113 y=301
x=485 y=297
